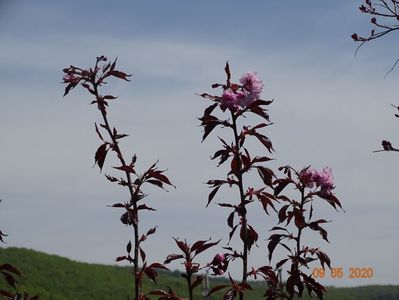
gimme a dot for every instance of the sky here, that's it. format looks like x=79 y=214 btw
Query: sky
x=330 y=109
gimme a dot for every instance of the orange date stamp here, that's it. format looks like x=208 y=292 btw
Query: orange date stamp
x=351 y=273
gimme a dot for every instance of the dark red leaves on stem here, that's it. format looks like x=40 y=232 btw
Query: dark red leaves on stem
x=251 y=236
x=188 y=255
x=309 y=183
x=238 y=100
x=100 y=155
x=118 y=74
x=235 y=289
x=91 y=80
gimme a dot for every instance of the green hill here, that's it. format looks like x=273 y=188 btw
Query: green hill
x=58 y=278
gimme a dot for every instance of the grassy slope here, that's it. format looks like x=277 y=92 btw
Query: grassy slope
x=57 y=278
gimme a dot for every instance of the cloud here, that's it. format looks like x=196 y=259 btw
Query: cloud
x=329 y=109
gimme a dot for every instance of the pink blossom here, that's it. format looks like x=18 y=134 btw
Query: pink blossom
x=247 y=99
x=219 y=258
x=307 y=177
x=253 y=87
x=322 y=179
x=326 y=178
x=252 y=83
x=229 y=100
x=234 y=96
x=219 y=264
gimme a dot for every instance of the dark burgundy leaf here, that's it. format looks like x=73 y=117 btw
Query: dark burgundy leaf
x=10 y=279
x=324 y=259
x=236 y=166
x=313 y=286
x=125 y=219
x=197 y=281
x=282 y=213
x=216 y=182
x=255 y=108
x=100 y=155
x=266 y=175
x=7 y=294
x=173 y=257
x=119 y=205
x=330 y=198
x=212 y=195
x=119 y=258
x=245 y=286
x=157 y=266
x=252 y=236
x=217 y=288
x=10 y=268
x=311 y=212
x=70 y=87
x=151 y=231
x=299 y=219
x=224 y=155
x=278 y=228
x=183 y=246
x=265 y=141
x=273 y=242
x=290 y=285
x=208 y=129
x=98 y=132
x=230 y=219
x=142 y=254
x=121 y=136
x=210 y=97
x=91 y=91
x=281 y=262
x=144 y=206
x=219 y=153
x=281 y=184
x=209 y=123
x=290 y=214
x=128 y=169
x=197 y=244
x=266 y=200
x=260 y=159
x=159 y=176
x=205 y=246
x=155 y=182
x=110 y=178
x=228 y=74
x=119 y=74
x=110 y=97
x=151 y=274
x=209 y=110
x=315 y=226
x=226 y=205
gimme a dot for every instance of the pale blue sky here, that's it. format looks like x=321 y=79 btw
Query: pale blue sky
x=330 y=109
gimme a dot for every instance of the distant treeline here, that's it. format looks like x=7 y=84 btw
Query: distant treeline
x=58 y=278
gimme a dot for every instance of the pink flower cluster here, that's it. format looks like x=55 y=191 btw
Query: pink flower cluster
x=219 y=264
x=323 y=179
x=234 y=97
